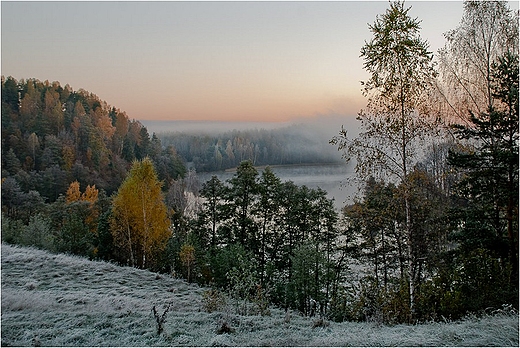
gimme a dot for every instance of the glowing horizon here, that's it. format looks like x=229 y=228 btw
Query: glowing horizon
x=231 y=61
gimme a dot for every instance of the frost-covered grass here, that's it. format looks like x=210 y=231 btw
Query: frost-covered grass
x=59 y=300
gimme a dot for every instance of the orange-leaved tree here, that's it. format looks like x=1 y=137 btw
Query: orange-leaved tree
x=79 y=221
x=89 y=198
x=140 y=224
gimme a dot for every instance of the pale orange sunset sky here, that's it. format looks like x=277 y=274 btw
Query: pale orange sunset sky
x=251 y=61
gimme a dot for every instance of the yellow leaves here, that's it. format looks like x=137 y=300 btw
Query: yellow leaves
x=140 y=223
x=103 y=122
x=90 y=194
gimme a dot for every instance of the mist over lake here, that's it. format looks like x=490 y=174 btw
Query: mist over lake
x=319 y=164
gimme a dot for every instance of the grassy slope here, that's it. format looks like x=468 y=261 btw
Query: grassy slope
x=60 y=300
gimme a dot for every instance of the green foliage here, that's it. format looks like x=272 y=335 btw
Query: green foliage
x=11 y=229
x=307 y=278
x=438 y=239
x=468 y=283
x=37 y=233
x=489 y=189
x=242 y=283
x=104 y=241
x=213 y=212
x=222 y=261
x=74 y=236
x=241 y=197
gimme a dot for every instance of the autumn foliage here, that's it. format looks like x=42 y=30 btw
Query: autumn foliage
x=140 y=225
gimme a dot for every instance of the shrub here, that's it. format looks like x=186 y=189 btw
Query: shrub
x=242 y=284
x=320 y=323
x=213 y=300
x=261 y=302
x=38 y=233
x=224 y=327
x=11 y=230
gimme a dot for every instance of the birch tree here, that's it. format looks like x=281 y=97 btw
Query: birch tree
x=140 y=224
x=487 y=30
x=397 y=119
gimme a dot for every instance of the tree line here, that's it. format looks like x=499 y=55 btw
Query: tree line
x=432 y=234
x=294 y=144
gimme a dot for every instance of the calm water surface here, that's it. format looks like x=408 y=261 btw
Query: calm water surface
x=329 y=177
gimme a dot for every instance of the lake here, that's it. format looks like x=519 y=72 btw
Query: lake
x=329 y=177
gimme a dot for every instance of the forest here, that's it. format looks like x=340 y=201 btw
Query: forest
x=433 y=234
x=294 y=144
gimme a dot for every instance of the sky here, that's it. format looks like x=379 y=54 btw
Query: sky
x=227 y=61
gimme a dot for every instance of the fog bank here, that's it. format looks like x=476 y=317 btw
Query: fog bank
x=324 y=124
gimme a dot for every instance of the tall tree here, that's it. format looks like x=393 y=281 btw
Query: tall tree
x=373 y=219
x=242 y=195
x=397 y=118
x=140 y=224
x=266 y=209
x=52 y=112
x=10 y=94
x=490 y=165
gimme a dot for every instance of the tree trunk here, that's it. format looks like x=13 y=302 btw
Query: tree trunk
x=411 y=273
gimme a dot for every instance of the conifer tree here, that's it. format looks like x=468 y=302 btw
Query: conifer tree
x=490 y=166
x=242 y=195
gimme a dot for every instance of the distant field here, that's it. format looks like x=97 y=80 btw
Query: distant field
x=58 y=300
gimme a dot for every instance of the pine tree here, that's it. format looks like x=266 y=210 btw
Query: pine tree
x=242 y=195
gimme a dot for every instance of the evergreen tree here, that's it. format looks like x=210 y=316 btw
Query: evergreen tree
x=490 y=166
x=242 y=195
x=212 y=214
x=267 y=209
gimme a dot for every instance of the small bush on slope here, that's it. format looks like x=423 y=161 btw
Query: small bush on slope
x=60 y=300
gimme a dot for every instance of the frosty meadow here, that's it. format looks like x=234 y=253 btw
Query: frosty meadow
x=59 y=300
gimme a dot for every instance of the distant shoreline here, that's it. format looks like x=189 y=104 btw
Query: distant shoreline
x=262 y=167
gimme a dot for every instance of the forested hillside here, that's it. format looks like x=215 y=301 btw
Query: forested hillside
x=79 y=177
x=53 y=135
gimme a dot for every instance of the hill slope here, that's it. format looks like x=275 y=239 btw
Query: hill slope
x=59 y=300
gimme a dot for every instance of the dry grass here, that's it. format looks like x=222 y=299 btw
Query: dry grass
x=59 y=300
